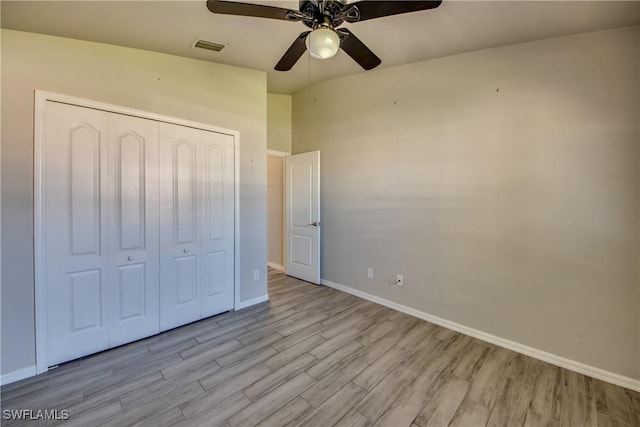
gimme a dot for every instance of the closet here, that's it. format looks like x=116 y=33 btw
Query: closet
x=136 y=227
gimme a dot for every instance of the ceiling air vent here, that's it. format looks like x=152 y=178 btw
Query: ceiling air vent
x=205 y=44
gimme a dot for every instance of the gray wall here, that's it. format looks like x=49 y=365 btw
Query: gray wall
x=279 y=122
x=504 y=184
x=216 y=94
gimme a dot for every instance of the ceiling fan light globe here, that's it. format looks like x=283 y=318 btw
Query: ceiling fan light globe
x=324 y=43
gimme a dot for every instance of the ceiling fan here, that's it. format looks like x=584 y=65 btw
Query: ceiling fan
x=323 y=17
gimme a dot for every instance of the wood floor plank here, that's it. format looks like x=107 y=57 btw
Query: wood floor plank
x=236 y=369
x=289 y=415
x=471 y=359
x=326 y=387
x=205 y=359
x=336 y=407
x=404 y=410
x=485 y=384
x=213 y=333
x=291 y=353
x=120 y=384
x=215 y=346
x=611 y=401
x=534 y=419
x=274 y=379
x=217 y=413
x=376 y=349
x=545 y=402
x=149 y=416
x=99 y=414
x=299 y=336
x=333 y=326
x=353 y=419
x=605 y=421
x=139 y=366
x=470 y=414
x=524 y=369
x=223 y=391
x=382 y=396
x=578 y=409
x=247 y=350
x=512 y=405
x=633 y=403
x=334 y=360
x=160 y=394
x=267 y=405
x=441 y=406
x=374 y=373
x=173 y=343
x=301 y=324
x=334 y=343
x=80 y=376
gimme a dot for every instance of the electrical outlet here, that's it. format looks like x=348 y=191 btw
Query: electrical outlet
x=370 y=273
x=399 y=280
x=256 y=274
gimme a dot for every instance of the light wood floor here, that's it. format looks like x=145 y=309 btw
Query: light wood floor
x=314 y=356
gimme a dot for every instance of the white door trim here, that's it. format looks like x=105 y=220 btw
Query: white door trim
x=41 y=98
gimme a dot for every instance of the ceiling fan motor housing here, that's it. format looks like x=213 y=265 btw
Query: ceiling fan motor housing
x=331 y=13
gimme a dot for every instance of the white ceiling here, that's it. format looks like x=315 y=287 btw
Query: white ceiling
x=256 y=43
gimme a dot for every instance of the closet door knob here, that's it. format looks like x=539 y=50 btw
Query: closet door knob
x=186 y=251
x=129 y=258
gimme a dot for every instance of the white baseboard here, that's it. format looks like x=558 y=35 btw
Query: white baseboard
x=18 y=375
x=554 y=359
x=253 y=301
x=276 y=266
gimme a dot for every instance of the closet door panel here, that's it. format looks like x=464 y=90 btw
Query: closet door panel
x=217 y=233
x=133 y=224
x=75 y=233
x=179 y=246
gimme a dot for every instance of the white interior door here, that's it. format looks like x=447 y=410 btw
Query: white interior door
x=302 y=206
x=76 y=276
x=133 y=228
x=196 y=224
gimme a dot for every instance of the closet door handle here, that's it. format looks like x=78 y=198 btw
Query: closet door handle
x=130 y=258
x=186 y=251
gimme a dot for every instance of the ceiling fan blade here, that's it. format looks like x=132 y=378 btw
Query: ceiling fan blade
x=358 y=50
x=249 y=9
x=371 y=9
x=295 y=51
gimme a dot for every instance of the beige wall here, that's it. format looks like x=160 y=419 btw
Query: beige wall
x=275 y=209
x=279 y=122
x=216 y=94
x=503 y=184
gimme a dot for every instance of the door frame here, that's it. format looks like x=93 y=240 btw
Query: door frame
x=40 y=297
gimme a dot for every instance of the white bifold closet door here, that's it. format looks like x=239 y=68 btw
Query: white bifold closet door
x=196 y=216
x=101 y=230
x=138 y=227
